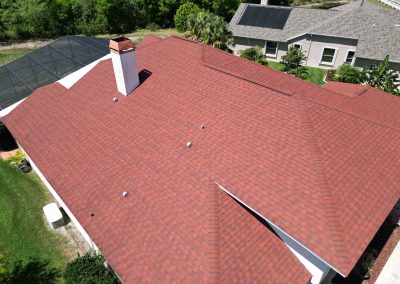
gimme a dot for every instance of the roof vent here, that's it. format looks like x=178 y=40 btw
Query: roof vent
x=202 y=126
x=125 y=194
x=91 y=213
x=189 y=144
x=115 y=99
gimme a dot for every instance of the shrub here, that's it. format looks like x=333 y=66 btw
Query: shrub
x=184 y=12
x=209 y=29
x=254 y=54
x=300 y=72
x=349 y=74
x=292 y=59
x=17 y=158
x=152 y=27
x=88 y=268
x=383 y=78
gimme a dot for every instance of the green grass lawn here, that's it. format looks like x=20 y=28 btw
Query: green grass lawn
x=9 y=55
x=316 y=75
x=23 y=232
x=145 y=32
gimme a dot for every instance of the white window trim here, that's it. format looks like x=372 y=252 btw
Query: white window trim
x=270 y=54
x=298 y=43
x=347 y=54
x=334 y=56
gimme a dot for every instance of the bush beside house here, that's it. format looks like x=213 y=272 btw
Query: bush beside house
x=89 y=268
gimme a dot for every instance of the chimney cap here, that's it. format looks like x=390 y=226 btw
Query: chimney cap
x=120 y=44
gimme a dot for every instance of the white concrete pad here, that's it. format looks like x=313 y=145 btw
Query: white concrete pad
x=390 y=273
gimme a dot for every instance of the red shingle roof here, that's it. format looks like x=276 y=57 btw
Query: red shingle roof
x=320 y=165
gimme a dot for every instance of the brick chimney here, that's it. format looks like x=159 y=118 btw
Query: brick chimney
x=124 y=64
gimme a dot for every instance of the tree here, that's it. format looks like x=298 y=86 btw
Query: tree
x=254 y=54
x=209 y=29
x=300 y=72
x=183 y=14
x=88 y=268
x=349 y=74
x=292 y=59
x=383 y=78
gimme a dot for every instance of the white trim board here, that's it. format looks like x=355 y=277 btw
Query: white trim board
x=310 y=261
x=74 y=77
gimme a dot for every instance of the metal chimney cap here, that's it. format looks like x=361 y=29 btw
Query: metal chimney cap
x=121 y=44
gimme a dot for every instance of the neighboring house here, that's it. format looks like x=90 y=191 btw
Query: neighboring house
x=392 y=3
x=357 y=33
x=195 y=165
x=19 y=78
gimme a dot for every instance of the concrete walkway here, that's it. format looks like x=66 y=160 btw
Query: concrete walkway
x=390 y=273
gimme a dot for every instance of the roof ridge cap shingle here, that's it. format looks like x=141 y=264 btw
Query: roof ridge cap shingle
x=359 y=116
x=214 y=247
x=328 y=201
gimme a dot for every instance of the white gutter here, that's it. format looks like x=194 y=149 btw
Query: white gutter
x=72 y=78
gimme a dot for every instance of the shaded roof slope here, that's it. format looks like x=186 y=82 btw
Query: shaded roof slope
x=319 y=164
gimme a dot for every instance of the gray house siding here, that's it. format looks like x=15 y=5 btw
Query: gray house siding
x=311 y=45
x=317 y=43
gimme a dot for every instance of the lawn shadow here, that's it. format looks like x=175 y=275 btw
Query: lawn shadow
x=34 y=271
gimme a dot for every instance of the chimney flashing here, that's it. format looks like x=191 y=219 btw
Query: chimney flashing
x=121 y=45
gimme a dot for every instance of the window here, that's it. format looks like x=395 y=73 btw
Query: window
x=328 y=56
x=271 y=48
x=297 y=45
x=350 y=57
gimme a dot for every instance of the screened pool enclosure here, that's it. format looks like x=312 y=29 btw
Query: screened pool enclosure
x=46 y=65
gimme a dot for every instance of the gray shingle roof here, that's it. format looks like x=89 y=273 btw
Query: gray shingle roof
x=375 y=28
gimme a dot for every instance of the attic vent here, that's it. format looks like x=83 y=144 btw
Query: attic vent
x=189 y=144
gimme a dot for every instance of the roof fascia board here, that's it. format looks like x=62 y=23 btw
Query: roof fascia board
x=276 y=226
x=318 y=34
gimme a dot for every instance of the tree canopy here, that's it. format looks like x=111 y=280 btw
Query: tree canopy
x=51 y=18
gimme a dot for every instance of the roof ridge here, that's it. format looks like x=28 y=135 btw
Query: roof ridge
x=348 y=112
x=214 y=247
x=334 y=226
